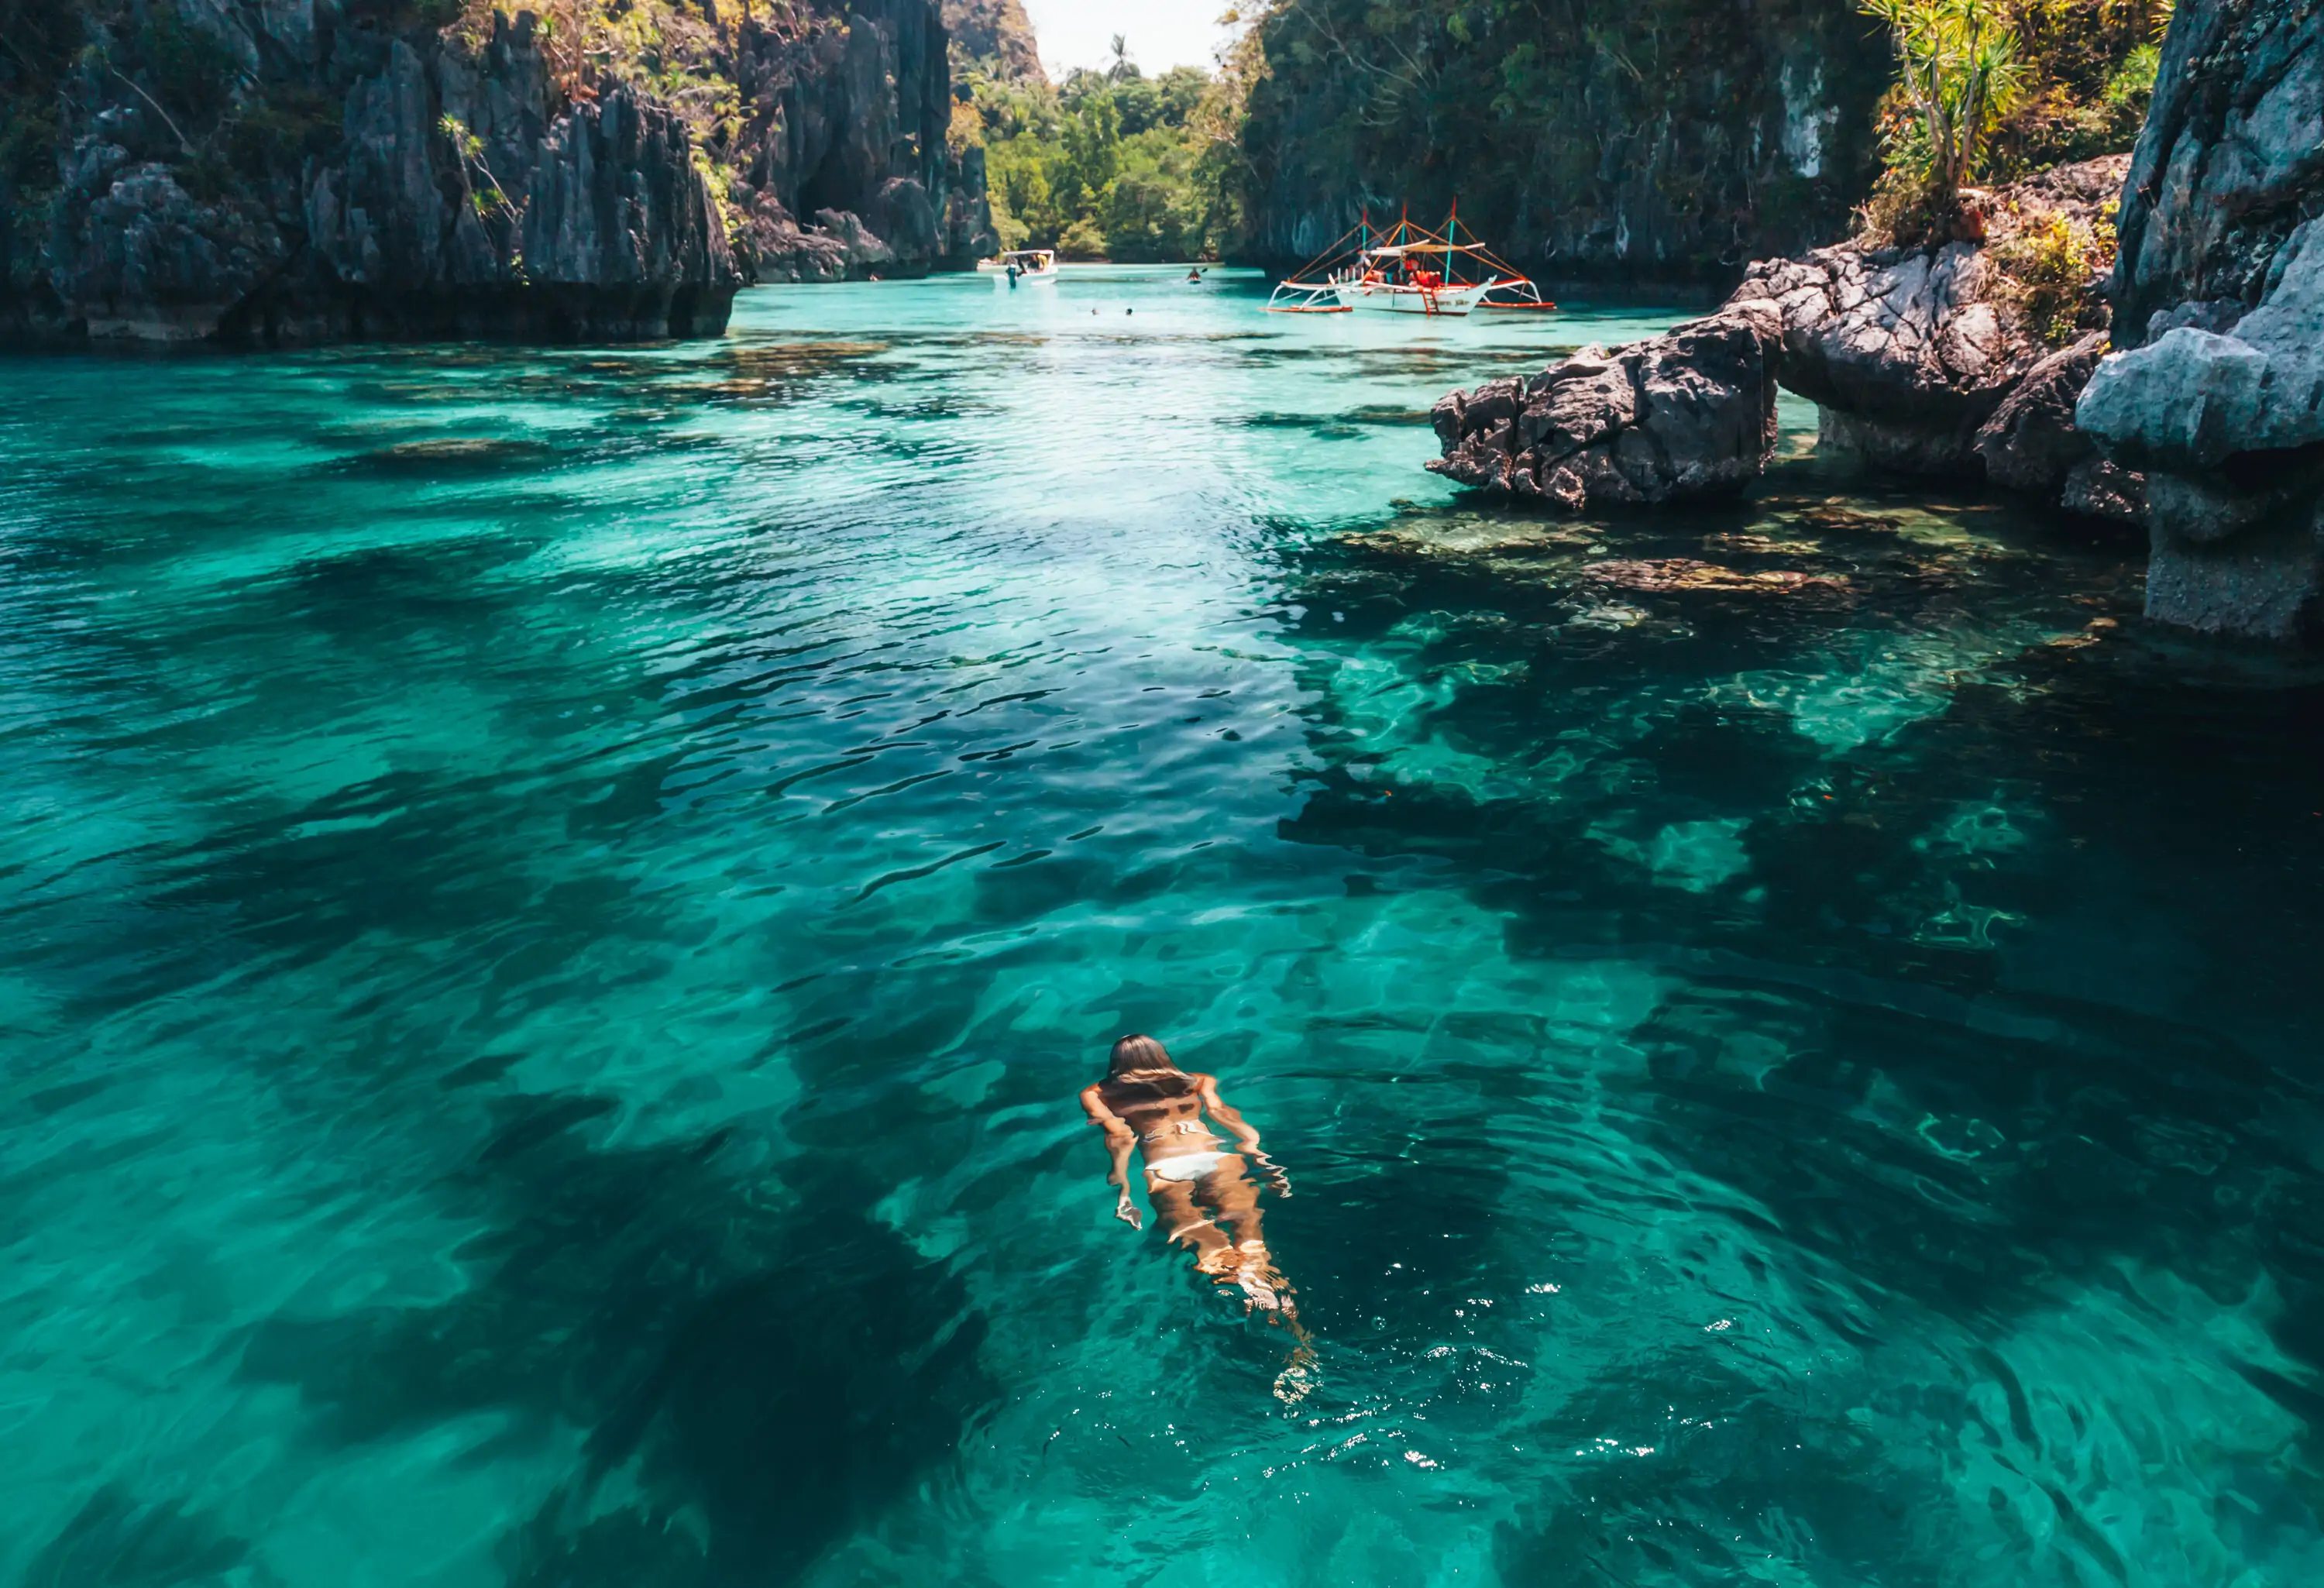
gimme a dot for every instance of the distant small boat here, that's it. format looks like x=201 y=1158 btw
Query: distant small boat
x=1021 y=267
x=1407 y=268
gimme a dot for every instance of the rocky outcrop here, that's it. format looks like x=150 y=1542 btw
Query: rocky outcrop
x=1912 y=354
x=1685 y=415
x=450 y=199
x=1601 y=140
x=1919 y=361
x=2217 y=392
x=2032 y=444
x=848 y=116
x=281 y=174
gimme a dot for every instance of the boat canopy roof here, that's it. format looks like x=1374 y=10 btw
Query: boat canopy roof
x=1399 y=250
x=1364 y=245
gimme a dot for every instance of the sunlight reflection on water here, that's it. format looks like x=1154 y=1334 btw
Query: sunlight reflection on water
x=558 y=902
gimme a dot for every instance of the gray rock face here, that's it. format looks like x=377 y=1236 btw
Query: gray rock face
x=148 y=264
x=2032 y=446
x=2218 y=391
x=1687 y=414
x=1625 y=144
x=1911 y=353
x=848 y=115
x=1904 y=345
x=2227 y=165
x=421 y=184
x=617 y=215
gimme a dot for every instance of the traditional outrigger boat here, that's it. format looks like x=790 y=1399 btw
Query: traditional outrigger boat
x=1407 y=268
x=1021 y=267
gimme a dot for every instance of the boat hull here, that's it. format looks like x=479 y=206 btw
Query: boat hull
x=1037 y=278
x=1378 y=298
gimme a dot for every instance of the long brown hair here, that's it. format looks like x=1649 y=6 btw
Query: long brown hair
x=1139 y=1064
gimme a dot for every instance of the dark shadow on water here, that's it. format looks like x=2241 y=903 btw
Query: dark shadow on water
x=118 y=1541
x=768 y=1360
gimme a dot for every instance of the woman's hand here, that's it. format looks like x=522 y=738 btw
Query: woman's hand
x=1126 y=1210
x=1277 y=1181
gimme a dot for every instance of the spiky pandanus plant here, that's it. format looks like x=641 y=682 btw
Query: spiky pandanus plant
x=1958 y=67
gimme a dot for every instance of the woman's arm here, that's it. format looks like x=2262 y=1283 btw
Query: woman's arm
x=1243 y=1132
x=1120 y=1141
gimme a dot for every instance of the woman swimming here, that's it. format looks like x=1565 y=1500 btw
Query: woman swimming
x=1197 y=1183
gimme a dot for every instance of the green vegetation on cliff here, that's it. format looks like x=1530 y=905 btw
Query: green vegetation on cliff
x=1996 y=90
x=1114 y=164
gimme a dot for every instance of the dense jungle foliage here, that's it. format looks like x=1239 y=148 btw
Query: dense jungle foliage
x=1989 y=91
x=1114 y=164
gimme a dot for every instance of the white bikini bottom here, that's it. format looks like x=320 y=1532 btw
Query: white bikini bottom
x=1186 y=1166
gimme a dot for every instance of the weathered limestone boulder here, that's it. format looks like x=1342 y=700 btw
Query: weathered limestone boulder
x=2217 y=392
x=1909 y=353
x=2032 y=444
x=1900 y=349
x=1687 y=414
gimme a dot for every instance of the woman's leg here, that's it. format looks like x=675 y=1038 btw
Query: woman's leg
x=1187 y=1224
x=1234 y=1195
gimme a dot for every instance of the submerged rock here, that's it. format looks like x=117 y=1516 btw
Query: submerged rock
x=2217 y=389
x=1669 y=574
x=1687 y=414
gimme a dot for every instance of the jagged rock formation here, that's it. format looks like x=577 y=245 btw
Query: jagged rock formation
x=589 y=220
x=2032 y=446
x=290 y=174
x=1911 y=355
x=997 y=32
x=1688 y=414
x=2218 y=392
x=1918 y=359
x=1620 y=141
x=844 y=169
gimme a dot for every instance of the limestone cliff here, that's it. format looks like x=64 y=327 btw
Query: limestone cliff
x=2218 y=389
x=302 y=170
x=1639 y=141
x=843 y=167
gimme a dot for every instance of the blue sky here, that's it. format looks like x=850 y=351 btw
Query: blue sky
x=1162 y=33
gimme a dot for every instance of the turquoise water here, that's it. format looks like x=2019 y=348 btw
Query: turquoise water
x=557 y=903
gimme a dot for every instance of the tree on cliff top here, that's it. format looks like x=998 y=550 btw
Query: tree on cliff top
x=1957 y=68
x=1996 y=90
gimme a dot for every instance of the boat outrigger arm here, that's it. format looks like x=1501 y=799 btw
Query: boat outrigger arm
x=1407 y=268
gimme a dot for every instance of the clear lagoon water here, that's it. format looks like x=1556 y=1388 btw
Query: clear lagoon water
x=555 y=904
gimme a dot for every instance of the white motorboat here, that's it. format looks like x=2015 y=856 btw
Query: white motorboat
x=1021 y=267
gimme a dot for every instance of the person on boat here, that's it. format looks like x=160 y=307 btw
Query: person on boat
x=1195 y=275
x=1197 y=1185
